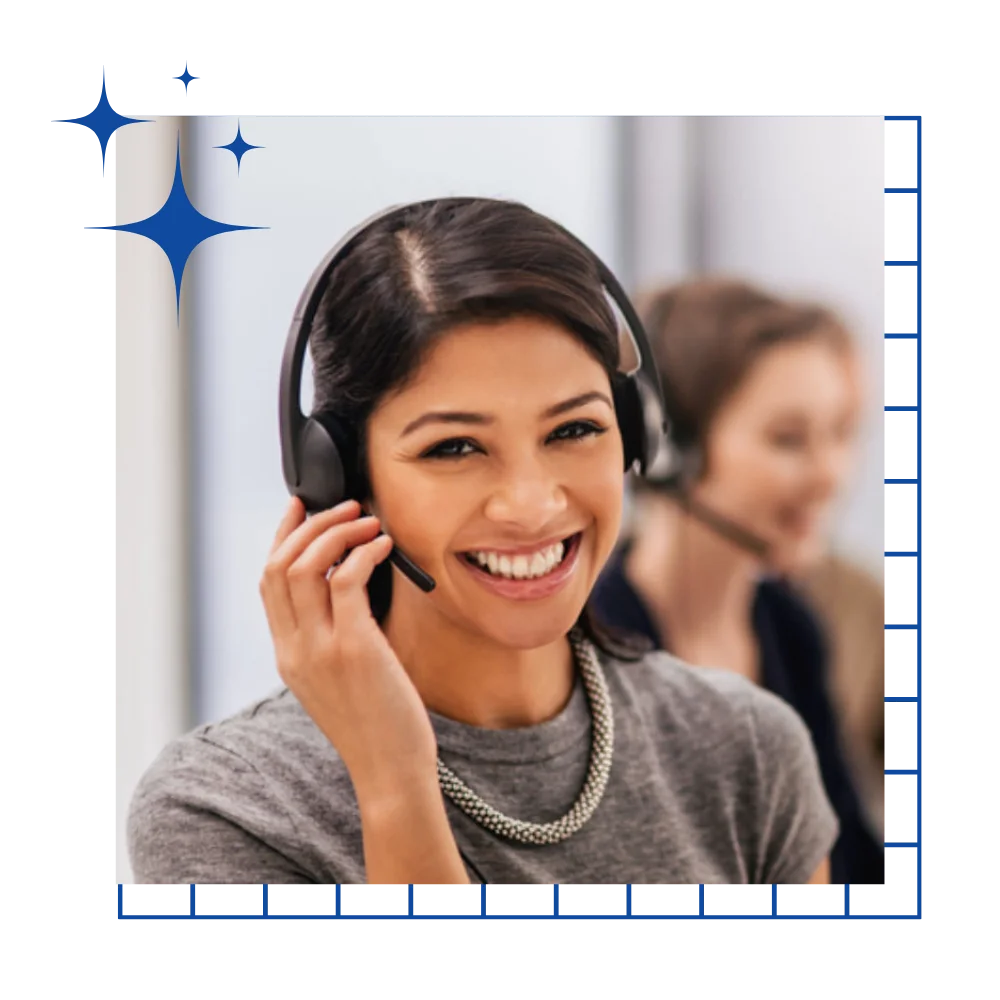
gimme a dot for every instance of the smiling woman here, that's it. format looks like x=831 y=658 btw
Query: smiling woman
x=466 y=362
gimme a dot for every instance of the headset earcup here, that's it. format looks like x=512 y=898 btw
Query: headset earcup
x=326 y=463
x=631 y=420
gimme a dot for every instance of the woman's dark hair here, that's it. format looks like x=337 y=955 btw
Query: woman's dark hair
x=417 y=273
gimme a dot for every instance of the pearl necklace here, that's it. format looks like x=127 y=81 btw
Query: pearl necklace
x=601 y=751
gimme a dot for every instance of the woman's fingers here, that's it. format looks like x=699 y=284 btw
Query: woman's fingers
x=307 y=576
x=294 y=515
x=290 y=544
x=347 y=584
x=293 y=536
x=278 y=609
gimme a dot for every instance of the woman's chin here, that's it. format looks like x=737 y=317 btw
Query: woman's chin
x=798 y=555
x=522 y=629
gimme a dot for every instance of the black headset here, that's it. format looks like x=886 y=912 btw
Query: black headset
x=677 y=462
x=319 y=453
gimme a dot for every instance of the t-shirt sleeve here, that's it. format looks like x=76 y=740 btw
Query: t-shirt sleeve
x=798 y=826
x=180 y=829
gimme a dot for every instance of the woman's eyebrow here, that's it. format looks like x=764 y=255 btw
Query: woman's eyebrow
x=461 y=417
x=575 y=401
x=446 y=417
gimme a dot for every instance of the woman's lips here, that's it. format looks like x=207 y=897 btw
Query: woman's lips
x=529 y=590
x=801 y=522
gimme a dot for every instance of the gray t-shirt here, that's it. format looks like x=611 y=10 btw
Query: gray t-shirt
x=713 y=780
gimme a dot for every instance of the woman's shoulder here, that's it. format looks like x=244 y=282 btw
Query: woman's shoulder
x=215 y=796
x=707 y=704
x=673 y=683
x=275 y=721
x=743 y=753
x=268 y=738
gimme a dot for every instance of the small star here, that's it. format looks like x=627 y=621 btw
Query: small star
x=103 y=121
x=185 y=78
x=177 y=227
x=238 y=146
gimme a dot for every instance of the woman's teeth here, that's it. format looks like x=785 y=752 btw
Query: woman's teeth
x=521 y=567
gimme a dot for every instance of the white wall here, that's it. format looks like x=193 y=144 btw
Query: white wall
x=797 y=203
x=315 y=179
x=152 y=682
x=663 y=199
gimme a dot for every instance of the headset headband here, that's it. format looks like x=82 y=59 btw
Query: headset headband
x=291 y=417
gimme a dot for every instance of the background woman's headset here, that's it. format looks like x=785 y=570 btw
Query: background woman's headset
x=676 y=463
x=679 y=460
x=319 y=452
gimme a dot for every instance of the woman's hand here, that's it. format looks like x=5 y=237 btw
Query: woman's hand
x=334 y=657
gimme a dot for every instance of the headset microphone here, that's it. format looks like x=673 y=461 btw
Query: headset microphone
x=410 y=569
x=675 y=468
x=723 y=526
x=319 y=453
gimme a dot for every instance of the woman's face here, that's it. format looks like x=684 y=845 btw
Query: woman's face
x=498 y=470
x=780 y=447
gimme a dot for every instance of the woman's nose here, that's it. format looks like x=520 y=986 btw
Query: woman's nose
x=528 y=496
x=828 y=467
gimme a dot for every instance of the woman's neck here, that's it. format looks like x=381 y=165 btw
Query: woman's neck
x=699 y=587
x=470 y=678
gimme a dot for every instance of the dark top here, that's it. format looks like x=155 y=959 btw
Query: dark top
x=793 y=656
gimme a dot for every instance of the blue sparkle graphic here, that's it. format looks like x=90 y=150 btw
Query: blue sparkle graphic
x=103 y=121
x=177 y=227
x=238 y=146
x=185 y=78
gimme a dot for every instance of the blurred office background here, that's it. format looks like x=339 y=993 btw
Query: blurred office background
x=795 y=204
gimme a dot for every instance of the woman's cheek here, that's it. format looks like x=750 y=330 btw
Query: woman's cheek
x=777 y=472
x=746 y=477
x=605 y=478
x=415 y=514
x=606 y=508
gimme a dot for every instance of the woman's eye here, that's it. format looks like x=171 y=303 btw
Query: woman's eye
x=452 y=448
x=788 y=440
x=576 y=429
x=462 y=447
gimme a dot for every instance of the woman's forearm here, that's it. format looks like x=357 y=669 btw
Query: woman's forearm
x=407 y=836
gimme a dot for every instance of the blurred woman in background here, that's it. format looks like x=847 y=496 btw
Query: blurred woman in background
x=763 y=397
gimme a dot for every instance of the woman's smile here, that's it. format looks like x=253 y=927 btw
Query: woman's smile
x=526 y=574
x=803 y=521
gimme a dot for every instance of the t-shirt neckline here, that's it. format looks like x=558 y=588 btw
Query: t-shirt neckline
x=523 y=744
